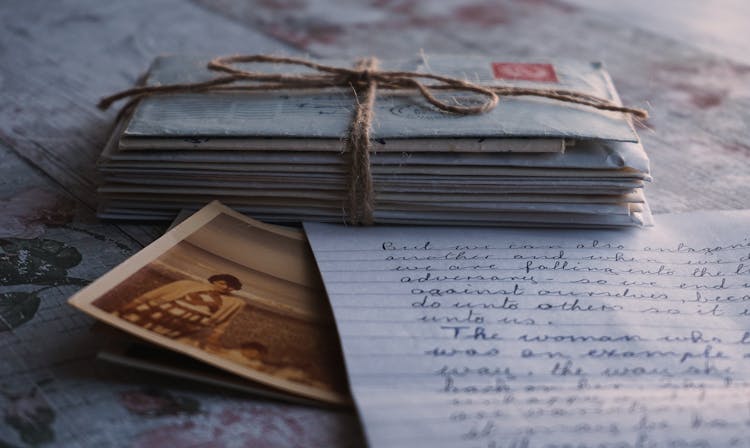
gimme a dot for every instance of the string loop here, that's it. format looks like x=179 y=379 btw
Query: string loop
x=364 y=79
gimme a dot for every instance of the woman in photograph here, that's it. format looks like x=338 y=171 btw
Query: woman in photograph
x=186 y=308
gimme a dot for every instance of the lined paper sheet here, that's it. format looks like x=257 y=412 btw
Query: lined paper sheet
x=499 y=338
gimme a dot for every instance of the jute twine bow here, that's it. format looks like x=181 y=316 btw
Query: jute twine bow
x=364 y=79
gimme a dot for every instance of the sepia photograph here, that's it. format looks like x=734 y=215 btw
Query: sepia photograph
x=238 y=294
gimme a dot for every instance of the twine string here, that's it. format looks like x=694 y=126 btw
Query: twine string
x=364 y=79
x=361 y=190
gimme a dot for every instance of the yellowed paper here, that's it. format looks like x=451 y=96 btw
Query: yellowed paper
x=232 y=292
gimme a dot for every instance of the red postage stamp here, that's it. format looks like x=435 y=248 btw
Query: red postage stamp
x=524 y=72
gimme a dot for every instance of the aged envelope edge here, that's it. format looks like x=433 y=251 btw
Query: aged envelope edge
x=158 y=65
x=110 y=147
x=615 y=97
x=83 y=298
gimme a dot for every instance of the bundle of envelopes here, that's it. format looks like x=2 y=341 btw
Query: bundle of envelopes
x=277 y=155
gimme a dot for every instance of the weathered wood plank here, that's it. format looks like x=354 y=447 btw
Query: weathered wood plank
x=718 y=27
x=57 y=62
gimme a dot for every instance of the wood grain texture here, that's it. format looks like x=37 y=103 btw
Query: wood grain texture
x=58 y=62
x=59 y=59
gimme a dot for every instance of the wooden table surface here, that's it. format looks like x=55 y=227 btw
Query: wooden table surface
x=687 y=61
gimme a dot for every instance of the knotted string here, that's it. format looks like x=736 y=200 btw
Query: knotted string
x=364 y=79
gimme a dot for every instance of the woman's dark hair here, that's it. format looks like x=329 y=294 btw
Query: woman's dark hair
x=232 y=281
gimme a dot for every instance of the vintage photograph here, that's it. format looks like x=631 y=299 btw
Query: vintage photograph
x=238 y=294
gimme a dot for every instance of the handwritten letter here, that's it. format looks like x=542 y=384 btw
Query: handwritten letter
x=499 y=338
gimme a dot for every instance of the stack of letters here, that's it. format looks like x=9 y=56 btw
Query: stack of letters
x=277 y=155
